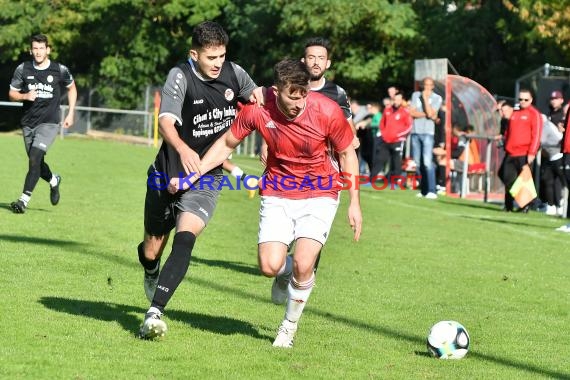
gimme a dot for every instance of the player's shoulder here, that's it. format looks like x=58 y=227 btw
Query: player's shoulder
x=321 y=101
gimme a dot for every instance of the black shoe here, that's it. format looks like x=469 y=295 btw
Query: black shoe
x=54 y=192
x=524 y=210
x=18 y=207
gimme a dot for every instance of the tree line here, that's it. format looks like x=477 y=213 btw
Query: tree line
x=120 y=47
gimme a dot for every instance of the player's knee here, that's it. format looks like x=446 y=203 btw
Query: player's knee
x=268 y=268
x=153 y=246
x=35 y=158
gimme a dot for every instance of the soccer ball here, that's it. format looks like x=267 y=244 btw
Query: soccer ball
x=448 y=340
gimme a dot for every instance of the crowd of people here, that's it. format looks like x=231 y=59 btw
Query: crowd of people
x=309 y=127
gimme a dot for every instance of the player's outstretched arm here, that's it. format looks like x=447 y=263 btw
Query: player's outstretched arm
x=349 y=164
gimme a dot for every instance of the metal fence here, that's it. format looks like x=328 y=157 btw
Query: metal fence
x=135 y=126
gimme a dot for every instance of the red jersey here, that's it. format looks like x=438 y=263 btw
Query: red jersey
x=396 y=124
x=299 y=164
x=566 y=138
x=522 y=137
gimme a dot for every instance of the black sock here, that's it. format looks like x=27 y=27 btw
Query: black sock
x=174 y=269
x=149 y=265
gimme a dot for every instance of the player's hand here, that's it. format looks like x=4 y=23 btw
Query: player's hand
x=190 y=160
x=31 y=96
x=355 y=220
x=176 y=184
x=258 y=96
x=530 y=159
x=68 y=122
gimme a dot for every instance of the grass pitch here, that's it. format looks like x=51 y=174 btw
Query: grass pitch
x=73 y=295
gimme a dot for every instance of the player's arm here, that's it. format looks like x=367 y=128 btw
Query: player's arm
x=71 y=100
x=188 y=158
x=349 y=165
x=16 y=85
x=213 y=158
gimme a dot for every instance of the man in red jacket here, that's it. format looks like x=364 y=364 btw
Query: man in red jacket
x=522 y=140
x=395 y=125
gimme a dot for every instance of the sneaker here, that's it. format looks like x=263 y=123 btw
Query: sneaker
x=565 y=228
x=279 y=288
x=431 y=196
x=550 y=210
x=18 y=207
x=150 y=283
x=54 y=191
x=153 y=326
x=419 y=195
x=285 y=334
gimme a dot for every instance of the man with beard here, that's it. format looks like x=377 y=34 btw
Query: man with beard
x=317 y=60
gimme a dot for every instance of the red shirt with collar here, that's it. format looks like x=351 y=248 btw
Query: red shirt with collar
x=396 y=124
x=522 y=137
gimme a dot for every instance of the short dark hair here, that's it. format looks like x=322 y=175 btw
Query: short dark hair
x=208 y=34
x=319 y=41
x=293 y=73
x=41 y=38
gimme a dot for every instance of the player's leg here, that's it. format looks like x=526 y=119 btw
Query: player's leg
x=275 y=236
x=194 y=210
x=19 y=206
x=44 y=138
x=313 y=221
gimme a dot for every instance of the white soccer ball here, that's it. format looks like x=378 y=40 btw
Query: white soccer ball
x=448 y=340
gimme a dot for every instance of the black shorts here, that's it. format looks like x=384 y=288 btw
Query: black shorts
x=161 y=207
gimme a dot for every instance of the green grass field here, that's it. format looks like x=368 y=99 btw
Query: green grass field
x=73 y=295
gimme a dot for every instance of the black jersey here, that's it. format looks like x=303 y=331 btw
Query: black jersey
x=203 y=109
x=336 y=93
x=48 y=84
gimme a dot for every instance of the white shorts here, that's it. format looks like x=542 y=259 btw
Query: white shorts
x=285 y=220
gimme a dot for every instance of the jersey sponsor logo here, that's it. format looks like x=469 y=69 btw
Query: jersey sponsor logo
x=270 y=124
x=229 y=94
x=30 y=77
x=198 y=101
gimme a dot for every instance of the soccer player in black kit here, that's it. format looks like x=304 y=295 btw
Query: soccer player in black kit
x=38 y=85
x=199 y=103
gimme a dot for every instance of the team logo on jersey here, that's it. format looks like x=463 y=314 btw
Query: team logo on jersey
x=198 y=101
x=50 y=78
x=229 y=94
x=270 y=124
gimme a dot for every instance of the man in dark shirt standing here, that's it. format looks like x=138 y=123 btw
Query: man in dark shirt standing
x=38 y=84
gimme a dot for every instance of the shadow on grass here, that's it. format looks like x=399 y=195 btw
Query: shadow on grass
x=231 y=265
x=393 y=333
x=480 y=206
x=130 y=317
x=509 y=221
x=42 y=241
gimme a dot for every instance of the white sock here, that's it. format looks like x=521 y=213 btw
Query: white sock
x=154 y=310
x=287 y=266
x=25 y=198
x=299 y=293
x=53 y=181
x=237 y=172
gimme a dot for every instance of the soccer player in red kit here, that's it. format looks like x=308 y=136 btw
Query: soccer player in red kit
x=301 y=185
